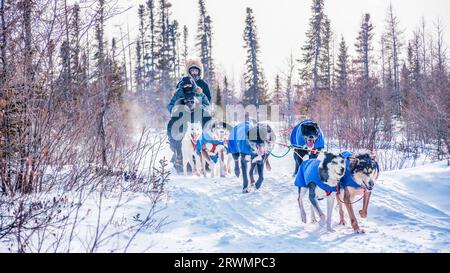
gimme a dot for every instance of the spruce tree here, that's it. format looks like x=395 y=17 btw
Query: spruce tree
x=312 y=62
x=100 y=69
x=204 y=42
x=139 y=71
x=65 y=75
x=151 y=57
x=255 y=85
x=227 y=92
x=78 y=71
x=342 y=69
x=218 y=99
x=325 y=57
x=277 y=96
x=185 y=51
x=143 y=41
x=165 y=60
x=364 y=48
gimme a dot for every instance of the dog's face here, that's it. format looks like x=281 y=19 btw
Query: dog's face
x=260 y=137
x=190 y=103
x=310 y=132
x=195 y=130
x=219 y=132
x=332 y=168
x=364 y=170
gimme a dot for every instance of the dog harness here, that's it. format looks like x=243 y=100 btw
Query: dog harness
x=309 y=173
x=297 y=138
x=208 y=138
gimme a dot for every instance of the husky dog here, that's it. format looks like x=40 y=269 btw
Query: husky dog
x=211 y=148
x=306 y=135
x=248 y=142
x=188 y=144
x=359 y=179
x=320 y=177
x=261 y=139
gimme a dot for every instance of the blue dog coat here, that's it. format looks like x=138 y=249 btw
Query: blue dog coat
x=309 y=173
x=237 y=139
x=347 y=180
x=205 y=138
x=298 y=140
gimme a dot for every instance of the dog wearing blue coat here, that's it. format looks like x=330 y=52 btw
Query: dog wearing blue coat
x=361 y=172
x=307 y=139
x=319 y=178
x=250 y=142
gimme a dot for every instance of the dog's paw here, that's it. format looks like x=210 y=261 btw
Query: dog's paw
x=342 y=222
x=363 y=213
x=322 y=221
x=360 y=231
x=330 y=229
x=303 y=216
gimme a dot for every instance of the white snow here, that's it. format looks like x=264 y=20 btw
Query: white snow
x=409 y=212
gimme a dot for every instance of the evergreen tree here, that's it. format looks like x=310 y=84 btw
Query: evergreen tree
x=65 y=76
x=218 y=98
x=325 y=57
x=143 y=43
x=204 y=42
x=227 y=92
x=139 y=71
x=414 y=65
x=79 y=73
x=174 y=59
x=116 y=82
x=151 y=57
x=364 y=48
x=312 y=50
x=185 y=46
x=406 y=83
x=277 y=96
x=255 y=85
x=100 y=69
x=99 y=55
x=165 y=52
x=342 y=69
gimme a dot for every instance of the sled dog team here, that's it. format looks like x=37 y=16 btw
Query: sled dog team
x=244 y=149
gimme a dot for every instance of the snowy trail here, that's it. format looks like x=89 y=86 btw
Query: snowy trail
x=409 y=212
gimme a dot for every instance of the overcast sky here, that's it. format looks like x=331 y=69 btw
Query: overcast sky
x=282 y=25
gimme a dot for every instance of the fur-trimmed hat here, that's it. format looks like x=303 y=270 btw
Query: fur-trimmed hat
x=194 y=63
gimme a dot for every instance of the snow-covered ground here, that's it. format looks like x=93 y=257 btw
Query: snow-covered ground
x=409 y=212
